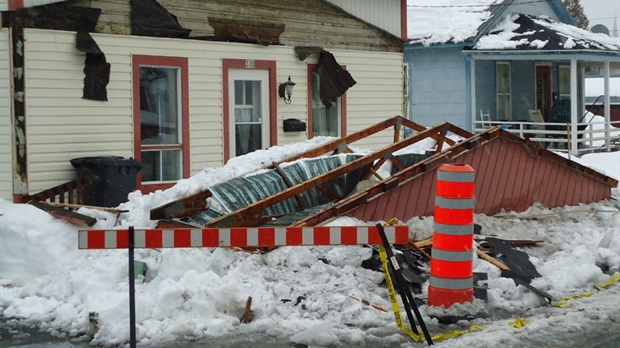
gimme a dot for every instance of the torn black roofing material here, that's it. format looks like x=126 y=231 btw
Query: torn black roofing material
x=525 y=32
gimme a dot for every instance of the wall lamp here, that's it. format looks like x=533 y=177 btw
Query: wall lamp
x=285 y=90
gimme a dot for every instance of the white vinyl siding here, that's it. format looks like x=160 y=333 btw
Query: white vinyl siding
x=4 y=5
x=6 y=136
x=62 y=125
x=385 y=14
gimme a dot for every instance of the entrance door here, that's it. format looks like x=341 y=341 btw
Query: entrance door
x=249 y=110
x=544 y=97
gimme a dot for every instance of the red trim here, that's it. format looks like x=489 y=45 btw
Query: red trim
x=16 y=5
x=269 y=65
x=19 y=198
x=403 y=19
x=312 y=68
x=180 y=62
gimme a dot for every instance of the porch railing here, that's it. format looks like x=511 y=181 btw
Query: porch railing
x=70 y=192
x=591 y=136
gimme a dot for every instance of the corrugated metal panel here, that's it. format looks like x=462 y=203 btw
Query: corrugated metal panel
x=511 y=174
x=6 y=136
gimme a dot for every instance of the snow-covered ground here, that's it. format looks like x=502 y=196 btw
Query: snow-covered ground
x=198 y=294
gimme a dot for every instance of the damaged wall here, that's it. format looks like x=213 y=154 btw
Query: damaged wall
x=306 y=23
x=6 y=134
x=63 y=126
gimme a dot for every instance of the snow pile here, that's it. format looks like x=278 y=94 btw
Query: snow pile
x=299 y=294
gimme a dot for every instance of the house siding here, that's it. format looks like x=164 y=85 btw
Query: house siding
x=383 y=13
x=62 y=125
x=306 y=23
x=438 y=85
x=6 y=135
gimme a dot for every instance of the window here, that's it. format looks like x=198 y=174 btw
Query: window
x=564 y=82
x=324 y=121
x=161 y=134
x=249 y=106
x=503 y=91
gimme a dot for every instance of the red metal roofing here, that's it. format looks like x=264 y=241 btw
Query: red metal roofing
x=511 y=174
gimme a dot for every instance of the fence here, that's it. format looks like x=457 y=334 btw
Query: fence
x=591 y=136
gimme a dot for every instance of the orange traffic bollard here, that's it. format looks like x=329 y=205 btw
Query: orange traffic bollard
x=451 y=278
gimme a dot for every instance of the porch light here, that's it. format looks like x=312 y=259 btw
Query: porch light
x=285 y=90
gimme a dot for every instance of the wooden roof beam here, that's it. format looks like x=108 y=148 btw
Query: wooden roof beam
x=249 y=216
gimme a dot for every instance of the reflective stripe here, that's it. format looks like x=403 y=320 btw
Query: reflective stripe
x=455 y=256
x=456 y=176
x=280 y=236
x=225 y=238
x=110 y=239
x=452 y=284
x=83 y=240
x=362 y=235
x=454 y=203
x=167 y=239
x=390 y=233
x=196 y=238
x=455 y=230
x=252 y=236
x=307 y=236
x=335 y=236
x=139 y=239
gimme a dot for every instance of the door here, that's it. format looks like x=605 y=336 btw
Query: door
x=544 y=97
x=249 y=110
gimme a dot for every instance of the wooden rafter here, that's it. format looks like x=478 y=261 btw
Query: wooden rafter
x=192 y=204
x=252 y=214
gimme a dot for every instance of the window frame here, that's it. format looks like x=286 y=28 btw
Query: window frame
x=312 y=68
x=269 y=65
x=181 y=63
x=503 y=94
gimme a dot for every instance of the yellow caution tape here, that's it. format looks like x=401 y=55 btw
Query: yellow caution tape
x=615 y=278
x=398 y=317
x=560 y=304
x=519 y=323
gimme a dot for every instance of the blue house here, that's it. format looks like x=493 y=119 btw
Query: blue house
x=492 y=62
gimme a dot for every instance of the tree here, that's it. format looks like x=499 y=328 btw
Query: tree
x=576 y=10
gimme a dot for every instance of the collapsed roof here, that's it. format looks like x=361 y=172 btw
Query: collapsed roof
x=332 y=181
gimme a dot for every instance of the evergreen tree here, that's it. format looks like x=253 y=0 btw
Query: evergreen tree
x=576 y=10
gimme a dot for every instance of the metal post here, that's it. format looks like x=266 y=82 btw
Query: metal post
x=132 y=295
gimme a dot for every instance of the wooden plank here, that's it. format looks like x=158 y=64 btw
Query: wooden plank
x=182 y=207
x=67 y=215
x=492 y=260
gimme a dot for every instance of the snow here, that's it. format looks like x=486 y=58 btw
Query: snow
x=500 y=36
x=595 y=86
x=441 y=21
x=300 y=294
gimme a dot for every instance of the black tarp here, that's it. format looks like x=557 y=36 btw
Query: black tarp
x=334 y=80
x=96 y=68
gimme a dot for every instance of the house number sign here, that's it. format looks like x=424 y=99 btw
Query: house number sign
x=250 y=64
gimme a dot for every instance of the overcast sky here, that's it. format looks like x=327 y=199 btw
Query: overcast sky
x=603 y=12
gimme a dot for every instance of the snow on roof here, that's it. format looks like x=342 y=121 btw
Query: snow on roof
x=442 y=21
x=524 y=32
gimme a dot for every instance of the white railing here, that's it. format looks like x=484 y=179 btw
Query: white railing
x=591 y=136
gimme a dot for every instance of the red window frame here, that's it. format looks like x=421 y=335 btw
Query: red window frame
x=312 y=68
x=174 y=62
x=269 y=65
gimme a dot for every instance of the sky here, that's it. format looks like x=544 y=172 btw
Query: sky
x=603 y=12
x=300 y=294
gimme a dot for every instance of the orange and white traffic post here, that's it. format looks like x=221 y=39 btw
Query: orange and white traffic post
x=451 y=277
